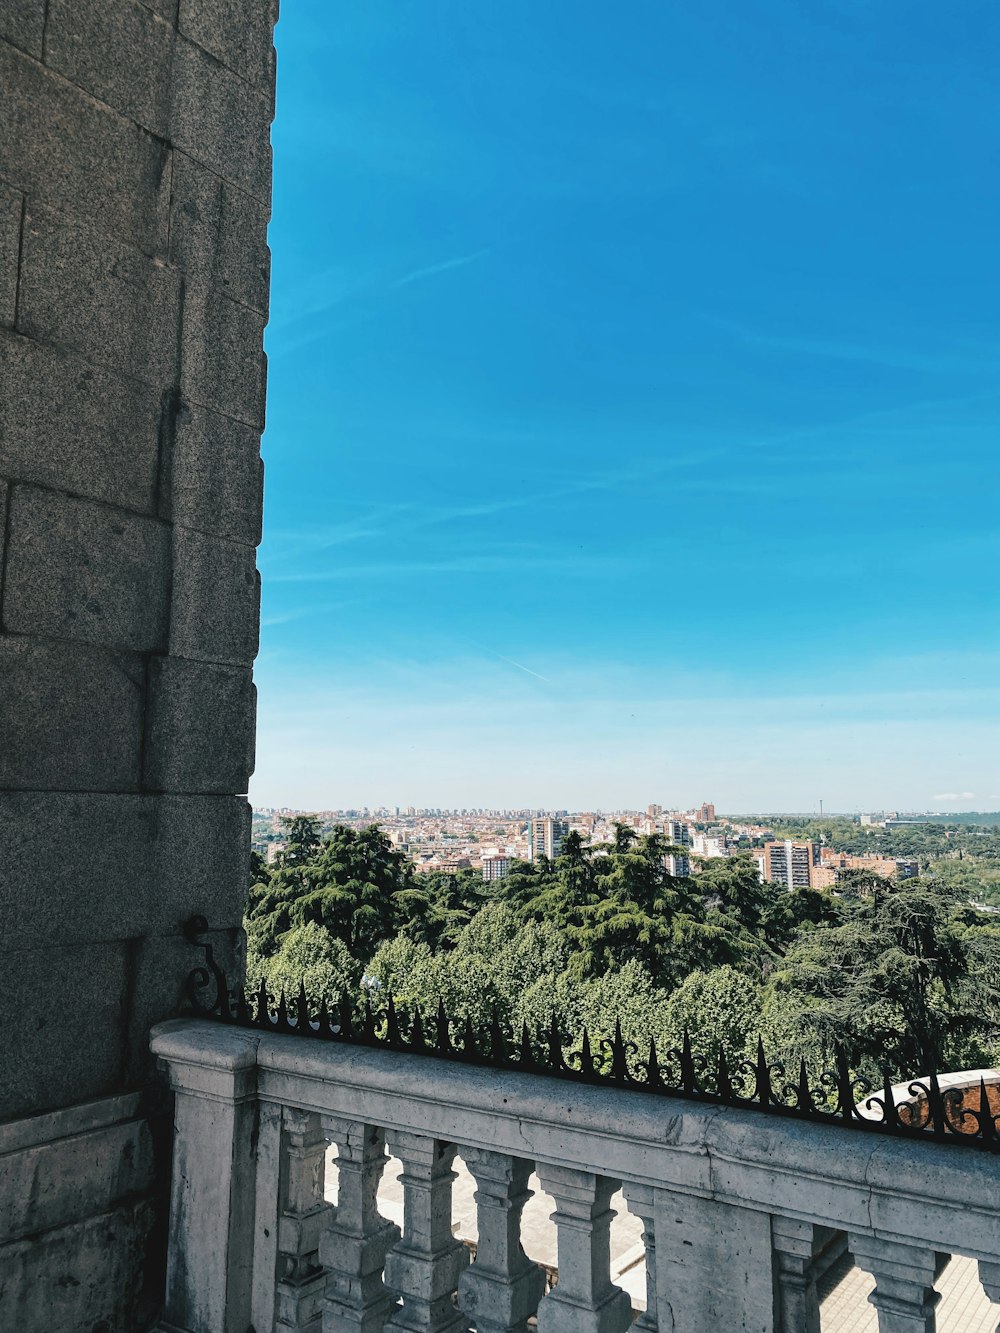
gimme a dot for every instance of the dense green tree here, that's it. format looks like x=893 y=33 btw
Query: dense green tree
x=302 y=837
x=900 y=973
x=890 y=984
x=355 y=884
x=308 y=955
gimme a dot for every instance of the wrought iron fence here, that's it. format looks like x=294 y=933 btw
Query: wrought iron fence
x=837 y=1096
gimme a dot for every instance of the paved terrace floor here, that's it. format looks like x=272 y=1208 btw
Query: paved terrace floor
x=844 y=1292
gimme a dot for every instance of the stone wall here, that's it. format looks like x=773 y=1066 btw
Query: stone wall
x=134 y=199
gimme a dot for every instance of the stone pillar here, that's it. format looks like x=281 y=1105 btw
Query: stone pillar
x=134 y=199
x=641 y=1202
x=714 y=1265
x=303 y=1215
x=354 y=1245
x=213 y=1194
x=989 y=1276
x=584 y=1300
x=904 y=1294
x=424 y=1268
x=798 y=1301
x=503 y=1287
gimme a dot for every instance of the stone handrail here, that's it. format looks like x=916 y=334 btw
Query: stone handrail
x=735 y=1206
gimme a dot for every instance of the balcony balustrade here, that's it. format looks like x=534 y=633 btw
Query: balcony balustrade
x=738 y=1209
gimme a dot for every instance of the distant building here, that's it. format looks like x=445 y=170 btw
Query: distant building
x=704 y=844
x=547 y=837
x=789 y=863
x=678 y=834
x=496 y=867
x=274 y=850
x=705 y=814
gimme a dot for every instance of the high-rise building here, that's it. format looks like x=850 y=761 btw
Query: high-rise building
x=547 y=837
x=496 y=867
x=705 y=814
x=790 y=863
x=678 y=834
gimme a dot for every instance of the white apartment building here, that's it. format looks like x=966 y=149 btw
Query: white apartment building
x=678 y=834
x=547 y=837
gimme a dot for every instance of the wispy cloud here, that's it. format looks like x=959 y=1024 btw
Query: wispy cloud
x=954 y=796
x=300 y=612
x=501 y=562
x=445 y=266
x=942 y=359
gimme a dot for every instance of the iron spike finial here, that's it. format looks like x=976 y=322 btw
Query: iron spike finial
x=653 y=1076
x=763 y=1077
x=302 y=1021
x=470 y=1048
x=556 y=1061
x=805 y=1102
x=845 y=1088
x=619 y=1057
x=417 y=1042
x=586 y=1057
x=263 y=1017
x=392 y=1033
x=345 y=1017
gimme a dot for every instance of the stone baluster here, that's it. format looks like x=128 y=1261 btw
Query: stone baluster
x=424 y=1268
x=989 y=1276
x=303 y=1216
x=714 y=1264
x=641 y=1200
x=353 y=1247
x=798 y=1300
x=503 y=1287
x=904 y=1294
x=584 y=1300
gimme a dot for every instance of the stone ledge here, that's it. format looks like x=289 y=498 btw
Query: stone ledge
x=83 y=1118
x=84 y=1276
x=73 y=1177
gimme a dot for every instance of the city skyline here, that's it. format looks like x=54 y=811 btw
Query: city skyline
x=632 y=407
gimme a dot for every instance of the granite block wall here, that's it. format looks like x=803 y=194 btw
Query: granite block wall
x=134 y=199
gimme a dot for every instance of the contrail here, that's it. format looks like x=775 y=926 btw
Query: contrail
x=520 y=667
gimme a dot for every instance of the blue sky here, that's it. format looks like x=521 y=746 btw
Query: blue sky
x=633 y=406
